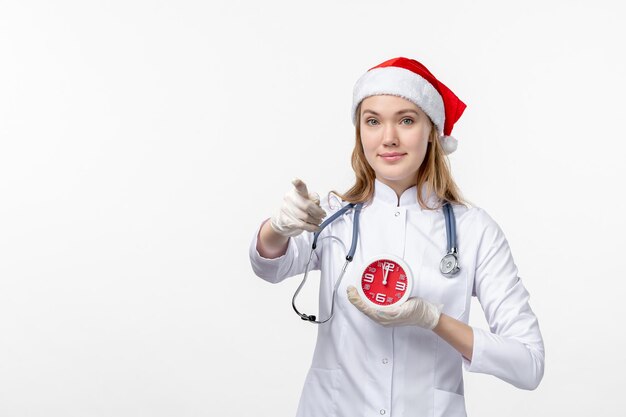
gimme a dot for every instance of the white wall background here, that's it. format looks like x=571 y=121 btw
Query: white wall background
x=142 y=142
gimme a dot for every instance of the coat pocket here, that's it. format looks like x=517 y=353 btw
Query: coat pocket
x=448 y=404
x=320 y=392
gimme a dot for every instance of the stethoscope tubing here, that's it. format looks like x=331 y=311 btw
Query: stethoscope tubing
x=349 y=258
x=450 y=223
x=450 y=227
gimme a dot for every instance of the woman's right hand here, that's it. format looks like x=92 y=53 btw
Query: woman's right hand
x=300 y=211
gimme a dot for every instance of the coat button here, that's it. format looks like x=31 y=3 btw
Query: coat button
x=382 y=412
x=385 y=361
x=397 y=213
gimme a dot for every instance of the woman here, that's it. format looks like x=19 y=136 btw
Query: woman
x=407 y=360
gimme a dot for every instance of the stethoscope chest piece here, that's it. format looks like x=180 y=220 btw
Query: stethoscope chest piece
x=449 y=265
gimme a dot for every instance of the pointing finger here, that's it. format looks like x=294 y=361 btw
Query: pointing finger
x=305 y=205
x=300 y=187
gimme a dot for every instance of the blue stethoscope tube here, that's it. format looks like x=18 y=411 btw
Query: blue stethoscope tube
x=448 y=266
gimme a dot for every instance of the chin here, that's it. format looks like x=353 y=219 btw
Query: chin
x=396 y=176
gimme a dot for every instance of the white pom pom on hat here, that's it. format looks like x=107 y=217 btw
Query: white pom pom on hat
x=448 y=143
x=412 y=81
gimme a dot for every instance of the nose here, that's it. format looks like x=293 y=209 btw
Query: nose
x=390 y=135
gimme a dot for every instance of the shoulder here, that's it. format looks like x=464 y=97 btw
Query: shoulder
x=477 y=221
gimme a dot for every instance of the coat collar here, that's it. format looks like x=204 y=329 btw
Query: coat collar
x=385 y=194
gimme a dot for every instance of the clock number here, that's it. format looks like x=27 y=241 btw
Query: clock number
x=380 y=297
x=389 y=266
x=400 y=286
x=368 y=278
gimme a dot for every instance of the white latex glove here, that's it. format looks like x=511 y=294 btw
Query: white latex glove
x=300 y=211
x=413 y=312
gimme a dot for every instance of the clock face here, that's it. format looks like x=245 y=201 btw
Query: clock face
x=385 y=281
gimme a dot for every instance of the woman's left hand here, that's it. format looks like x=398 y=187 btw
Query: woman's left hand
x=413 y=312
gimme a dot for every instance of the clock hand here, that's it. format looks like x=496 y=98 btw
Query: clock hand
x=386 y=269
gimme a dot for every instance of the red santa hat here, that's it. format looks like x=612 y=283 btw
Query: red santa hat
x=412 y=81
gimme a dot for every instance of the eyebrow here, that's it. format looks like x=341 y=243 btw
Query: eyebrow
x=397 y=113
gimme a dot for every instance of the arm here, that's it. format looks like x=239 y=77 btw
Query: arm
x=276 y=266
x=279 y=247
x=419 y=312
x=512 y=349
x=270 y=244
x=458 y=334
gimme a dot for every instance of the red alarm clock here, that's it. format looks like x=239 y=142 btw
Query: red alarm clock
x=385 y=281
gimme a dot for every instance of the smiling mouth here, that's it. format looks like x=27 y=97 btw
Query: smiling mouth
x=392 y=156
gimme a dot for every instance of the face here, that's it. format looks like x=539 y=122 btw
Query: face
x=394 y=134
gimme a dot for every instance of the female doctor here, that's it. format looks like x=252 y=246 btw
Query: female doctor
x=407 y=360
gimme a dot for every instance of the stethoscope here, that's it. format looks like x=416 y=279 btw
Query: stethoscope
x=449 y=265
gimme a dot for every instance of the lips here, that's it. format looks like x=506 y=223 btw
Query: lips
x=392 y=156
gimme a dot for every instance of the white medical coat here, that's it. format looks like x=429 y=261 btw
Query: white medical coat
x=361 y=368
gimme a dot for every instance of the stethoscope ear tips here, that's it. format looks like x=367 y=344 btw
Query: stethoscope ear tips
x=307 y=318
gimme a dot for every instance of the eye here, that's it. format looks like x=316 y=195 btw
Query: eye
x=407 y=119
x=371 y=122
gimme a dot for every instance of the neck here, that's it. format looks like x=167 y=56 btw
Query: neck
x=398 y=186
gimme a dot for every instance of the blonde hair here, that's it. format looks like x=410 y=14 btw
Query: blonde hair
x=434 y=173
